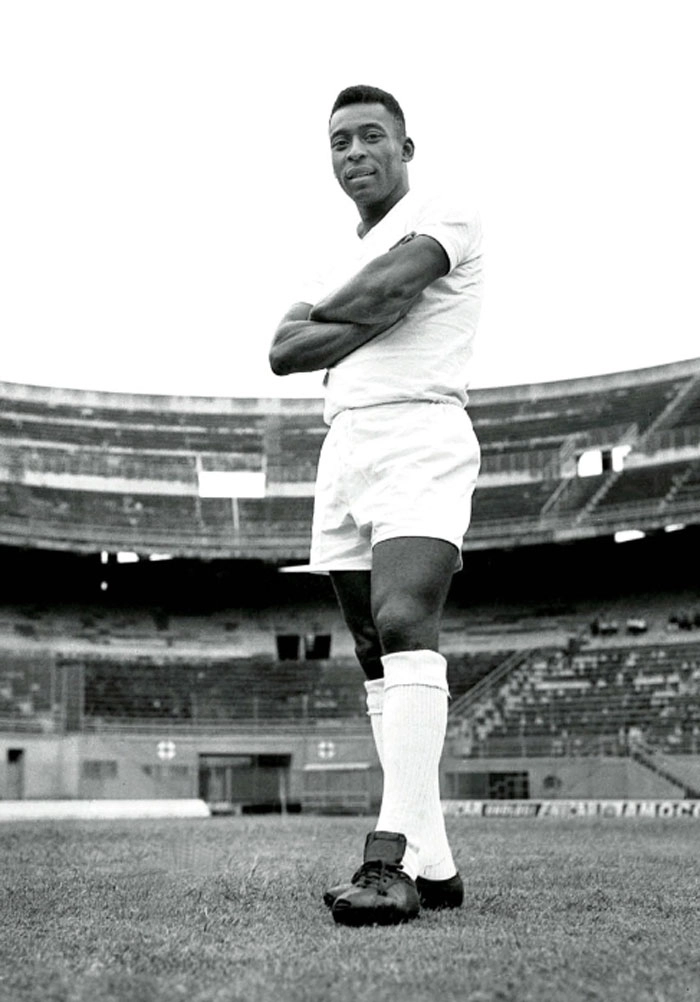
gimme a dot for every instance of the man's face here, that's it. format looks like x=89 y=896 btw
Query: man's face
x=369 y=154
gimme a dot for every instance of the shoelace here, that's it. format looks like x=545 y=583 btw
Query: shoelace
x=377 y=873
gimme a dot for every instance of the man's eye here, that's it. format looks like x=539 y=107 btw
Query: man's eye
x=338 y=144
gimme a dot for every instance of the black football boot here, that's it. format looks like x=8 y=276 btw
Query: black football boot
x=381 y=893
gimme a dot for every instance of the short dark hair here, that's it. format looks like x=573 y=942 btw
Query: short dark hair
x=364 y=94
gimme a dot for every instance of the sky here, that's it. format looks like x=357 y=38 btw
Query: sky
x=165 y=181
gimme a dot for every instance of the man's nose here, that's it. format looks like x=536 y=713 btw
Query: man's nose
x=356 y=148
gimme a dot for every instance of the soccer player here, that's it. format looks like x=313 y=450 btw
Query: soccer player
x=393 y=322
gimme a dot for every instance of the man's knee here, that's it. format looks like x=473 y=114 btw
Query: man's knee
x=404 y=623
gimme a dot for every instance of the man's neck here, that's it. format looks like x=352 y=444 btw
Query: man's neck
x=370 y=215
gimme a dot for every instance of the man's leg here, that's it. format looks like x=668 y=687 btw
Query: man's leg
x=406 y=589
x=409 y=584
x=353 y=590
x=411 y=577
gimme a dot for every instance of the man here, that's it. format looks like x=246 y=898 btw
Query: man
x=393 y=324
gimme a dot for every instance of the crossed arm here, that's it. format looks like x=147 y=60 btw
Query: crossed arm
x=317 y=337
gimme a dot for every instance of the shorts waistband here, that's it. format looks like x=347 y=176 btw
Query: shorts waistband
x=397 y=403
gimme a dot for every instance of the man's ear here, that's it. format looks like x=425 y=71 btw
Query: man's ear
x=407 y=150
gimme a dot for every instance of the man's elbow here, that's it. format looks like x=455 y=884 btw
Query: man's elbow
x=279 y=360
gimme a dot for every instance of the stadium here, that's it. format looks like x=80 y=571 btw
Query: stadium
x=185 y=757
x=161 y=639
x=187 y=766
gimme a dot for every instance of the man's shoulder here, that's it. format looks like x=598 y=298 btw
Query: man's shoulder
x=448 y=204
x=449 y=218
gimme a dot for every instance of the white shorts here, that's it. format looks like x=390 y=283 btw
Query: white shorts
x=404 y=469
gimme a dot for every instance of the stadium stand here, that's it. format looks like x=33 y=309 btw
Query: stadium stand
x=599 y=701
x=512 y=502
x=686 y=487
x=214 y=642
x=89 y=471
x=650 y=483
x=124 y=689
x=541 y=417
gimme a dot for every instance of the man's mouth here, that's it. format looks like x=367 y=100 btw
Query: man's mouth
x=356 y=172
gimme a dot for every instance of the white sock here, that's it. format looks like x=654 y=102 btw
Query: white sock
x=435 y=866
x=414 y=721
x=374 y=688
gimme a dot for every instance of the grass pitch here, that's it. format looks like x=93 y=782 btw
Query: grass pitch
x=230 y=909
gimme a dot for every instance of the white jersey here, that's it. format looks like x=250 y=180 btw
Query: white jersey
x=426 y=355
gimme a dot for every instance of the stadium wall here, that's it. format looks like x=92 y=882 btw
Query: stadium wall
x=264 y=767
x=330 y=766
x=563 y=778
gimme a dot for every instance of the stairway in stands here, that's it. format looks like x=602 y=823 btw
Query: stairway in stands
x=657 y=763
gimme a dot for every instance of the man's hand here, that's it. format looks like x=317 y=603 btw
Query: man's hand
x=304 y=345
x=386 y=288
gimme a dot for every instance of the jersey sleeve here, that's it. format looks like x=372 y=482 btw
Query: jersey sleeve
x=455 y=227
